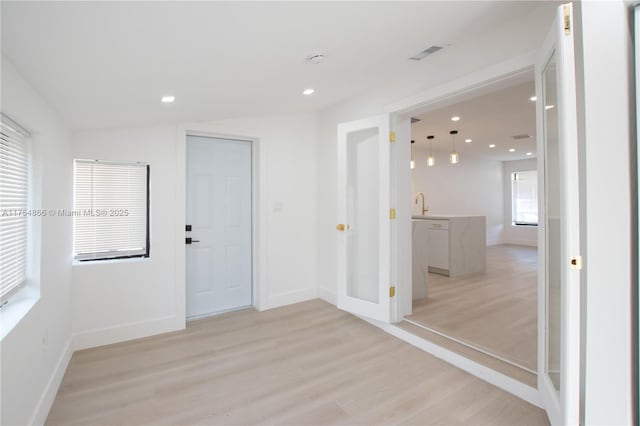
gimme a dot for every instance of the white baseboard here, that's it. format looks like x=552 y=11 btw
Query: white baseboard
x=124 y=332
x=478 y=370
x=50 y=391
x=327 y=295
x=284 y=299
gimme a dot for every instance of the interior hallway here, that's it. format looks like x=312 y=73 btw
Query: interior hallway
x=496 y=310
x=307 y=363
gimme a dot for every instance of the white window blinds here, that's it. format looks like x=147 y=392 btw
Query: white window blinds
x=524 y=190
x=14 y=174
x=111 y=210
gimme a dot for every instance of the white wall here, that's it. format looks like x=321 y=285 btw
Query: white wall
x=120 y=300
x=605 y=78
x=124 y=299
x=523 y=235
x=514 y=43
x=288 y=203
x=473 y=186
x=36 y=351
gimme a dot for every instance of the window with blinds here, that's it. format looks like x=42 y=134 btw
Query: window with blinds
x=111 y=210
x=14 y=195
x=524 y=198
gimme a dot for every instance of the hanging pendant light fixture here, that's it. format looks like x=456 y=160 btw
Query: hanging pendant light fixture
x=430 y=160
x=454 y=157
x=412 y=163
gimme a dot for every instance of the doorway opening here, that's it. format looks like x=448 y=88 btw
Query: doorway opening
x=219 y=231
x=475 y=226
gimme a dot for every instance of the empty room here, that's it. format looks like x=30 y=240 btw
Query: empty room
x=210 y=213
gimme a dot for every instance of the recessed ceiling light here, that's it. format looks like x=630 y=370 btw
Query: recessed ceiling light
x=533 y=99
x=492 y=145
x=512 y=150
x=455 y=118
x=549 y=106
x=468 y=140
x=308 y=92
x=168 y=99
x=529 y=153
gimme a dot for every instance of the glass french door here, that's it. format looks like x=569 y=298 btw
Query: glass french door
x=559 y=280
x=364 y=218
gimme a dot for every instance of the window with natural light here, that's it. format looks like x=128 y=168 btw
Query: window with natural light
x=111 y=210
x=524 y=198
x=14 y=197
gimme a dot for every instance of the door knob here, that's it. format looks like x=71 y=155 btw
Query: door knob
x=342 y=227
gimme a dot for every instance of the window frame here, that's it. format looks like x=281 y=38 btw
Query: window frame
x=514 y=211
x=24 y=141
x=147 y=252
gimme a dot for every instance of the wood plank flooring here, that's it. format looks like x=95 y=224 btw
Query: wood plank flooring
x=304 y=364
x=507 y=369
x=496 y=310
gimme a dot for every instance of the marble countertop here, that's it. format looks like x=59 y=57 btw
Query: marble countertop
x=442 y=216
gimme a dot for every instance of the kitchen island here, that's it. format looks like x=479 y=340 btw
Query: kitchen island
x=447 y=244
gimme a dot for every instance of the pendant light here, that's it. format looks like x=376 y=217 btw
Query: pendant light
x=412 y=163
x=454 y=157
x=430 y=160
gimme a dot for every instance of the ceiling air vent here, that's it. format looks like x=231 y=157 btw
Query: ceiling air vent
x=523 y=136
x=426 y=52
x=315 y=59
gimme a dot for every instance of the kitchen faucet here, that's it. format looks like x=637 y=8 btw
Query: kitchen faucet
x=423 y=209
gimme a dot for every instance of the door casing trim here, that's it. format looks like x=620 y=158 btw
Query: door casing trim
x=258 y=216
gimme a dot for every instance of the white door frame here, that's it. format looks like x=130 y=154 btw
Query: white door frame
x=258 y=215
x=380 y=309
x=471 y=85
x=485 y=80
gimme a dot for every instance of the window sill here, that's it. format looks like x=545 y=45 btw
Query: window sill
x=17 y=308
x=110 y=261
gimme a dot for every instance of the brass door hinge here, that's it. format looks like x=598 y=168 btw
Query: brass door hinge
x=392 y=137
x=392 y=291
x=576 y=262
x=567 y=19
x=392 y=213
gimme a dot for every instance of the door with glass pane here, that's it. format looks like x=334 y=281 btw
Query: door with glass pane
x=363 y=217
x=560 y=263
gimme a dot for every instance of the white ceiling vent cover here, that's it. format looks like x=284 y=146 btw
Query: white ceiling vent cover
x=426 y=52
x=315 y=59
x=522 y=136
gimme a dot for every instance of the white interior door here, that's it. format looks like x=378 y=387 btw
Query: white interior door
x=218 y=258
x=559 y=278
x=364 y=217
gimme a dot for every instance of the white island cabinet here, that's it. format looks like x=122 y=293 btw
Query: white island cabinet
x=456 y=244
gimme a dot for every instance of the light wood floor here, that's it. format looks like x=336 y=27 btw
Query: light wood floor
x=304 y=364
x=496 y=310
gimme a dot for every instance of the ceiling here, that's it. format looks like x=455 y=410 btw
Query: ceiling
x=492 y=118
x=107 y=64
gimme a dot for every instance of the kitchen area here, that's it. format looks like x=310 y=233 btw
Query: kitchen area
x=474 y=264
